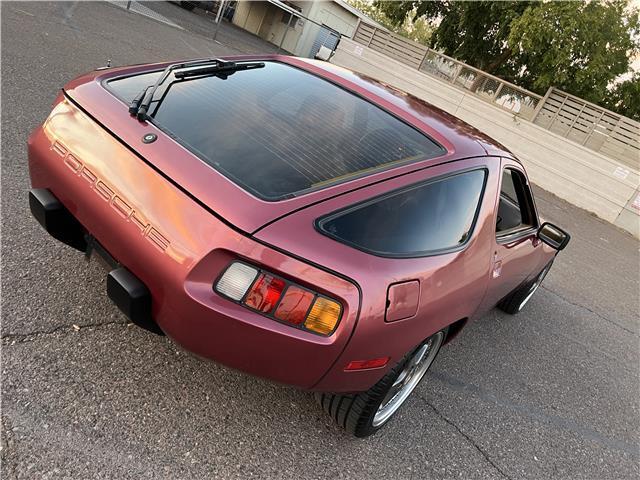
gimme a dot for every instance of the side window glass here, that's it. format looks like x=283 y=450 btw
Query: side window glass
x=425 y=218
x=515 y=210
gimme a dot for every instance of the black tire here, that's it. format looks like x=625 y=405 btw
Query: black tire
x=515 y=301
x=356 y=412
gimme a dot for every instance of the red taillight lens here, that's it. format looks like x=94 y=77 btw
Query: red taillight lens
x=265 y=293
x=294 y=305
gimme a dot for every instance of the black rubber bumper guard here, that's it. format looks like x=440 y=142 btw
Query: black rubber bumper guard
x=126 y=290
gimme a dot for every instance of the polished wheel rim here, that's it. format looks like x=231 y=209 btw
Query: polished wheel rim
x=408 y=379
x=533 y=288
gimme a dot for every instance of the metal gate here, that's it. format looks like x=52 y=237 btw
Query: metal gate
x=326 y=37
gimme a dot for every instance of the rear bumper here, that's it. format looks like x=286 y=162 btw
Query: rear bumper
x=126 y=290
x=56 y=219
x=176 y=249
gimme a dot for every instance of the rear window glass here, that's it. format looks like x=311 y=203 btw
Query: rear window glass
x=432 y=217
x=278 y=131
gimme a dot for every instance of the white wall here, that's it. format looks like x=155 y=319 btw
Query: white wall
x=330 y=14
x=249 y=15
x=581 y=176
x=265 y=20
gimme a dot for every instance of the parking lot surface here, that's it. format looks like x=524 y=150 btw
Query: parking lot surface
x=550 y=393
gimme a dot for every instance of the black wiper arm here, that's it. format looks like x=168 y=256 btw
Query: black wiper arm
x=221 y=69
x=135 y=103
x=140 y=104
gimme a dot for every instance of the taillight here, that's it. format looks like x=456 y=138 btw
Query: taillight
x=265 y=293
x=236 y=280
x=295 y=305
x=279 y=299
x=323 y=316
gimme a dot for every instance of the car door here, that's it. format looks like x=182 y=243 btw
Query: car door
x=517 y=249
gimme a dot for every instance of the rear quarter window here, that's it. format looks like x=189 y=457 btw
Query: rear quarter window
x=428 y=218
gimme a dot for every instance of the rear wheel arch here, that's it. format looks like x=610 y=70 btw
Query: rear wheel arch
x=357 y=412
x=454 y=329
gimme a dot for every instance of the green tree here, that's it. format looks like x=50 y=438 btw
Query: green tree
x=474 y=32
x=625 y=98
x=575 y=46
x=579 y=47
x=418 y=29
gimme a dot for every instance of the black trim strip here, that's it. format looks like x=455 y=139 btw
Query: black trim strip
x=519 y=234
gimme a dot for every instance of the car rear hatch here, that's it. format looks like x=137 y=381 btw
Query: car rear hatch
x=142 y=223
x=215 y=138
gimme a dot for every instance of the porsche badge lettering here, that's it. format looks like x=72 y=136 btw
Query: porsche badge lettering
x=116 y=202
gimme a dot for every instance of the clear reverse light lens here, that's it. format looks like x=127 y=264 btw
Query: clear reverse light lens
x=237 y=279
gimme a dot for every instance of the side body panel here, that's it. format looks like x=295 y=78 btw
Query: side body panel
x=452 y=285
x=514 y=260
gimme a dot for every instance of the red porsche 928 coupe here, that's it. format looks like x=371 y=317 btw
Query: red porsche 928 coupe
x=290 y=219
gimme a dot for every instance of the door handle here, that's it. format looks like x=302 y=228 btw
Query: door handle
x=496 y=266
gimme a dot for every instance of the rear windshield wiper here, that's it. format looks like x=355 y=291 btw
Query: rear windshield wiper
x=220 y=70
x=139 y=106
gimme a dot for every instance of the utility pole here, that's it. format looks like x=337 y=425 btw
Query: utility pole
x=219 y=18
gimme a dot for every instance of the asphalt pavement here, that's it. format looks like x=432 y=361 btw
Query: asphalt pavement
x=550 y=393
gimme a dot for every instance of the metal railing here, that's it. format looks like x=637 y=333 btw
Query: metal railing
x=503 y=94
x=594 y=127
x=406 y=51
x=609 y=133
x=492 y=89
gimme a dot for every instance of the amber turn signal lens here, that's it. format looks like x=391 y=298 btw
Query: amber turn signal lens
x=323 y=317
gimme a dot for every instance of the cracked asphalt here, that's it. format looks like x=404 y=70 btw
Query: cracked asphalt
x=550 y=393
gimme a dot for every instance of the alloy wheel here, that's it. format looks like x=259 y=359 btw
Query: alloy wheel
x=408 y=378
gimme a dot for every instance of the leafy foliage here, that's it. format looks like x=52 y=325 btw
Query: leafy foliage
x=625 y=98
x=418 y=29
x=579 y=47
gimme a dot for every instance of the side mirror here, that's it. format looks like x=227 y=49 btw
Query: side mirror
x=553 y=236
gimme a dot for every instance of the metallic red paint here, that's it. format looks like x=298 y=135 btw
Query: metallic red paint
x=176 y=223
x=402 y=300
